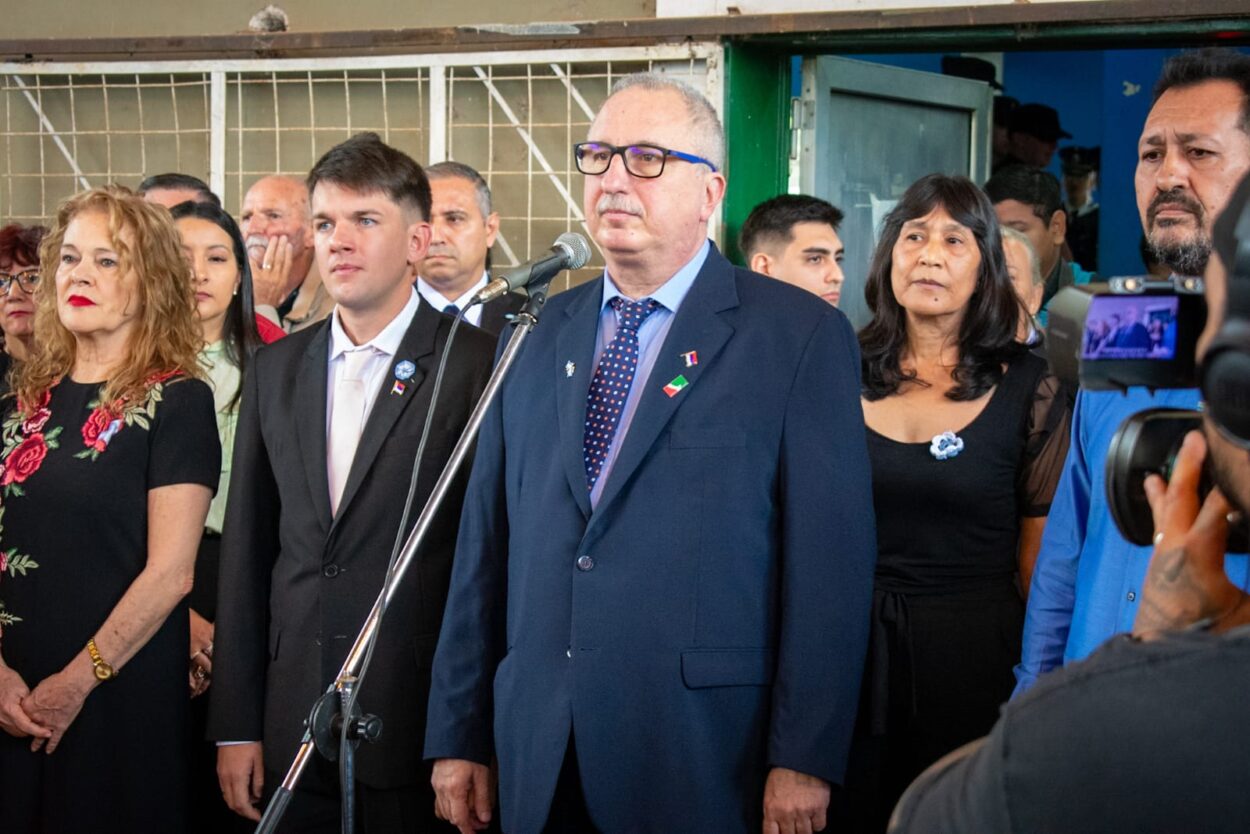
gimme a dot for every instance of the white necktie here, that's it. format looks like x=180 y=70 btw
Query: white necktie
x=347 y=420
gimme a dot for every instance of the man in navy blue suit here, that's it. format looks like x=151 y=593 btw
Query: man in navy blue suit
x=659 y=604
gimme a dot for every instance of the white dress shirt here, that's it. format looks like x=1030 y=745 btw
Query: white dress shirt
x=382 y=349
x=439 y=301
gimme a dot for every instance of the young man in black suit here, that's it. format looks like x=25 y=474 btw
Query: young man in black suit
x=330 y=423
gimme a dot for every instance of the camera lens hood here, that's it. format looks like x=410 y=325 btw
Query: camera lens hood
x=1145 y=444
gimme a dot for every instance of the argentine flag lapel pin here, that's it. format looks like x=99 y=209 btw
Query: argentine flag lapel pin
x=403 y=372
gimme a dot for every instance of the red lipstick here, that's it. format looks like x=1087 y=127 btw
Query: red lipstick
x=80 y=301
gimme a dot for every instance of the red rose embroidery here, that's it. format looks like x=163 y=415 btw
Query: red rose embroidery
x=24 y=460
x=97 y=422
x=4 y=562
x=36 y=421
x=160 y=377
x=40 y=406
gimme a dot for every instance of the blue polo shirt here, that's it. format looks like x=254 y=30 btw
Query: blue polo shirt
x=1088 y=579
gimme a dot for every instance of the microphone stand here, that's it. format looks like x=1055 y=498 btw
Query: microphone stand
x=325 y=722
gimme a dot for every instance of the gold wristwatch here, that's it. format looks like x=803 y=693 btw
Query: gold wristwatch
x=103 y=671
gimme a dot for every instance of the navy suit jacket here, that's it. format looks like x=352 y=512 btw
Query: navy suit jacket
x=708 y=620
x=1134 y=335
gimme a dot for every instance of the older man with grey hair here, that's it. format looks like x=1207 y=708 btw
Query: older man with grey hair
x=659 y=606
x=1026 y=277
x=277 y=227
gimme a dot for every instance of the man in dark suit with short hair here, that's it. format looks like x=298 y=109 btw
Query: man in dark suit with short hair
x=464 y=225
x=1132 y=334
x=659 y=607
x=330 y=424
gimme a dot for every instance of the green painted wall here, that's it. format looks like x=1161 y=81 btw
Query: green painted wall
x=757 y=127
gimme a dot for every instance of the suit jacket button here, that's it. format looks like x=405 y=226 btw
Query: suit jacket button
x=330 y=571
x=585 y=563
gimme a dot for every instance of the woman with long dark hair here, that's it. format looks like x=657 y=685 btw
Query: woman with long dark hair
x=222 y=282
x=967 y=432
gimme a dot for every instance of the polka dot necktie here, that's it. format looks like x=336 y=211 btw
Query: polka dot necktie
x=606 y=399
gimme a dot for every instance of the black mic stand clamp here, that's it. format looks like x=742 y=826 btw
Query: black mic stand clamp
x=327 y=718
x=336 y=742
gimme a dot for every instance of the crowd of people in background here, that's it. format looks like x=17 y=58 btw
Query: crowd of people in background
x=721 y=563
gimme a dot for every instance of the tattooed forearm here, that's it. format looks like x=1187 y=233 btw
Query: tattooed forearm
x=1174 y=597
x=1177 y=594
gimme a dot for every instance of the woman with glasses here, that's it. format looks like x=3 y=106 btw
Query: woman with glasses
x=19 y=275
x=109 y=460
x=222 y=281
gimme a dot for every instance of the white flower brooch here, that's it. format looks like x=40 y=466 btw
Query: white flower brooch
x=946 y=445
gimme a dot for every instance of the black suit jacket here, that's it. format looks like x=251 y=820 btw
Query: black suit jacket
x=296 y=584
x=495 y=312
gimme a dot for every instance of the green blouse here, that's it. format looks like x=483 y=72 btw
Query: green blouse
x=224 y=378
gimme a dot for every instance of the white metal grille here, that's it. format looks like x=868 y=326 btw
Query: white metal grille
x=513 y=116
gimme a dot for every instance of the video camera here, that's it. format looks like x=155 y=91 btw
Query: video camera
x=1126 y=332
x=1133 y=331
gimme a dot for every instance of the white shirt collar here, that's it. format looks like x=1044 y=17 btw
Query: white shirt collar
x=386 y=342
x=439 y=301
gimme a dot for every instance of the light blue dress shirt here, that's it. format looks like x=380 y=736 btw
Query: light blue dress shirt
x=1087 y=581
x=650 y=339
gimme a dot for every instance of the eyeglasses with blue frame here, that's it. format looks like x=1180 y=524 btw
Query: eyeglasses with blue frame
x=642 y=161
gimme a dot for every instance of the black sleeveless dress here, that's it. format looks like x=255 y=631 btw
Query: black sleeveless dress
x=947 y=614
x=74 y=482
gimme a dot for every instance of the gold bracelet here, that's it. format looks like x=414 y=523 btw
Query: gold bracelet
x=103 y=671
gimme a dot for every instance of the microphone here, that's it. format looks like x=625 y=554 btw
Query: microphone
x=570 y=251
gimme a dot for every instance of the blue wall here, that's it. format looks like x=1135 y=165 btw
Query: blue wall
x=1125 y=108
x=1103 y=98
x=1070 y=82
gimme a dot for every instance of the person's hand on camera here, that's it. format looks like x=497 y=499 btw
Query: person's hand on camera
x=1186 y=582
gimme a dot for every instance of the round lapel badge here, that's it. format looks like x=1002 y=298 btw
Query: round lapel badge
x=404 y=370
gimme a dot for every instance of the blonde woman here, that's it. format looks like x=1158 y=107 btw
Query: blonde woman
x=109 y=461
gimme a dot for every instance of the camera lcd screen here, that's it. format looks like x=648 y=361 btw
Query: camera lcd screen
x=1131 y=327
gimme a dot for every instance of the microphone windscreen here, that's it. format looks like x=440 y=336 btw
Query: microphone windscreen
x=577 y=247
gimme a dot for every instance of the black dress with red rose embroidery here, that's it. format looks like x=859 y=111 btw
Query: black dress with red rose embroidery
x=73 y=537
